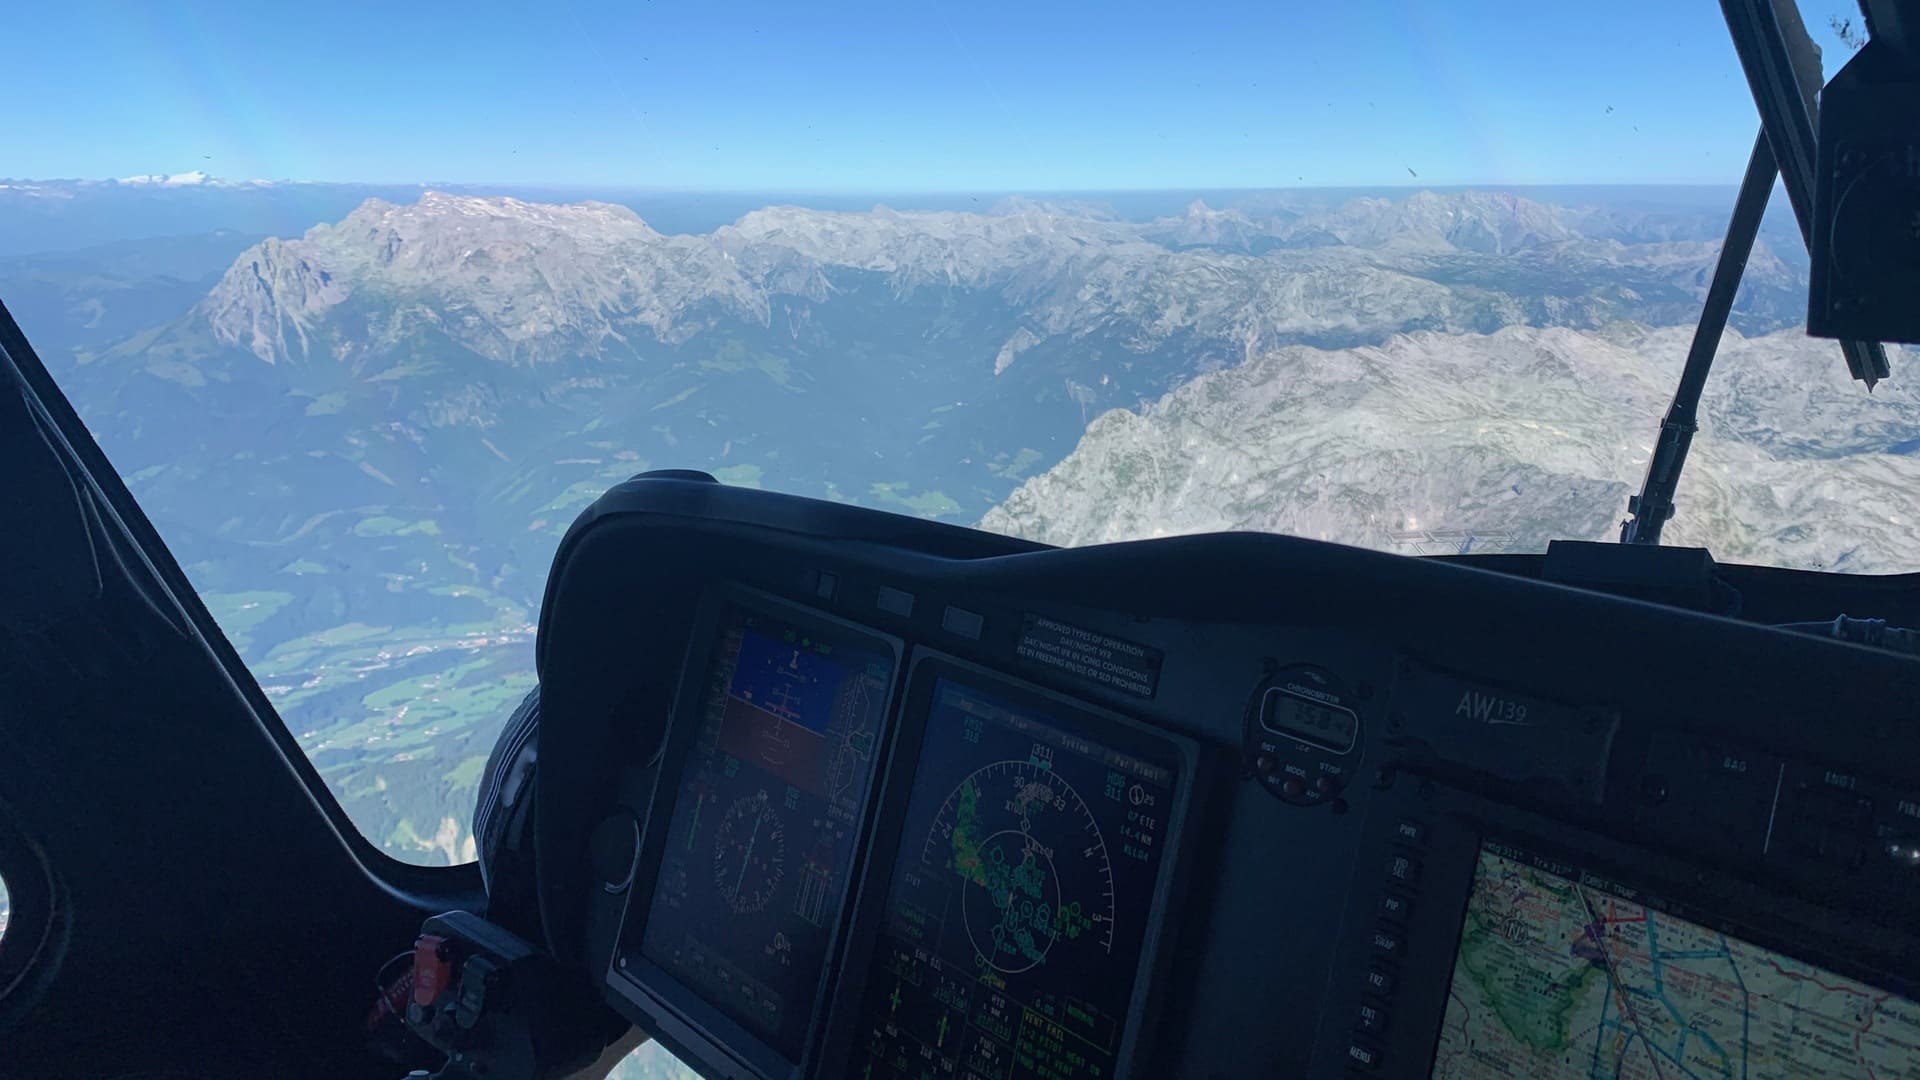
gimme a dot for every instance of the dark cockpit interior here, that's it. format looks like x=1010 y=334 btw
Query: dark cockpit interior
x=813 y=790
x=829 y=792
x=908 y=803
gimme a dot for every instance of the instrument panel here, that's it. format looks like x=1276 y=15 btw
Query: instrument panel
x=783 y=713
x=1026 y=888
x=832 y=793
x=1009 y=916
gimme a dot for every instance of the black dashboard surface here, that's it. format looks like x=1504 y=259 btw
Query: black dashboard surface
x=1209 y=806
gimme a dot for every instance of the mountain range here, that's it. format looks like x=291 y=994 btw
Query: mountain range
x=363 y=441
x=1502 y=441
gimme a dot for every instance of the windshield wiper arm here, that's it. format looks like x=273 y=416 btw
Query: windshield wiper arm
x=1650 y=509
x=1784 y=74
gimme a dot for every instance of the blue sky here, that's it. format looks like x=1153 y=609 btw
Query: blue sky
x=915 y=96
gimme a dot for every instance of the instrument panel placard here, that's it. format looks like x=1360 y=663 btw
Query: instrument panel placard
x=1098 y=658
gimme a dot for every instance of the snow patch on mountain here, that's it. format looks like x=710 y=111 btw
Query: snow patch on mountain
x=185 y=179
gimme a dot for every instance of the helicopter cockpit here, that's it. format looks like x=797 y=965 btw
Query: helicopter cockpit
x=810 y=790
x=896 y=802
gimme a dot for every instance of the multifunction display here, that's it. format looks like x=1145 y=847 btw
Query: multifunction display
x=1562 y=974
x=763 y=828
x=1022 y=889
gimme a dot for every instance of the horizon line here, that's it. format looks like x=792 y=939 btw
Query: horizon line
x=217 y=182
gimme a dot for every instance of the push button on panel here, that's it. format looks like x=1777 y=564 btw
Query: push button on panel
x=1380 y=981
x=1395 y=907
x=1410 y=832
x=1362 y=1057
x=1372 y=1019
x=962 y=622
x=894 y=601
x=1403 y=869
x=1387 y=943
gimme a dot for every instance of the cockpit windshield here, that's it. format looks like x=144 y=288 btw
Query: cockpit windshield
x=365 y=303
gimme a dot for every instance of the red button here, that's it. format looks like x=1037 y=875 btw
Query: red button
x=432 y=969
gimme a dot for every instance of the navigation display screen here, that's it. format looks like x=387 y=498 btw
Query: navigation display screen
x=762 y=832
x=1561 y=975
x=1022 y=887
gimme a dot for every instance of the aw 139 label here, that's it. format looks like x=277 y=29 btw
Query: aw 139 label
x=1490 y=709
x=1501 y=732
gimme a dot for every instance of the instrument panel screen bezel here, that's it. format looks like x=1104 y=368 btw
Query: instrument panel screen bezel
x=1463 y=825
x=680 y=1012
x=1775 y=924
x=926 y=669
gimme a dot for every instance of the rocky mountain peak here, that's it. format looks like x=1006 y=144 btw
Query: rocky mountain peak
x=510 y=280
x=1507 y=439
x=1479 y=221
x=270 y=299
x=518 y=282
